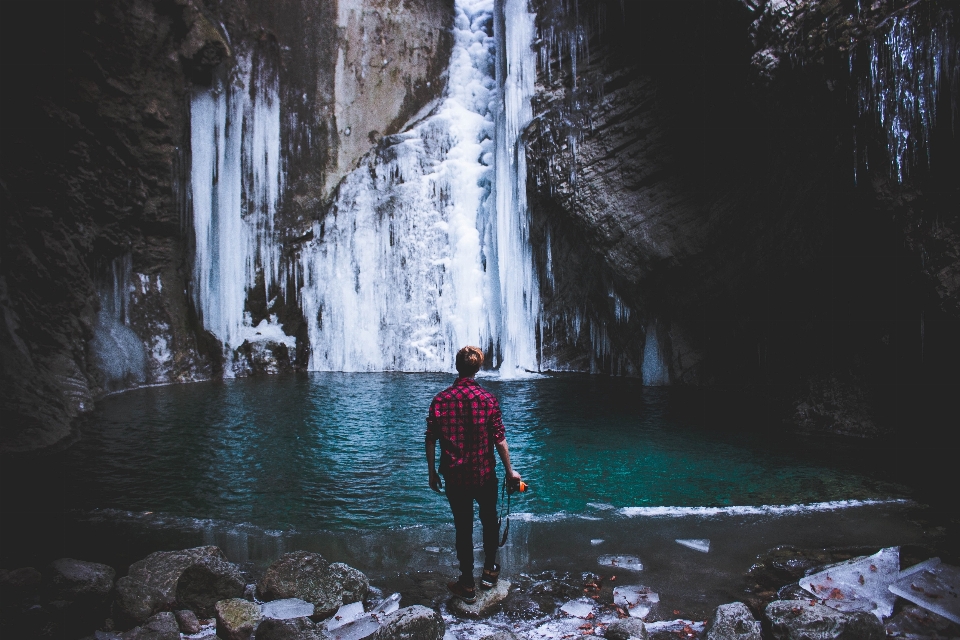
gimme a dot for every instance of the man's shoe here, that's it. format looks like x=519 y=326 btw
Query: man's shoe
x=489 y=577
x=467 y=594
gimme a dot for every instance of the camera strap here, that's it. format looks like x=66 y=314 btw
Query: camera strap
x=506 y=530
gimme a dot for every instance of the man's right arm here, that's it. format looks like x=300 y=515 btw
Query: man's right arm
x=504 y=452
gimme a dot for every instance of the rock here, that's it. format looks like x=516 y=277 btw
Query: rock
x=79 y=580
x=800 y=620
x=187 y=621
x=291 y=629
x=625 y=629
x=732 y=622
x=151 y=584
x=486 y=601
x=308 y=576
x=289 y=608
x=237 y=619
x=204 y=584
x=411 y=623
x=499 y=635
x=162 y=626
x=19 y=583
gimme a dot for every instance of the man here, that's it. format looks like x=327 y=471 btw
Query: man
x=466 y=419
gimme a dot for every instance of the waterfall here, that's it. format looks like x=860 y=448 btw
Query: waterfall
x=519 y=290
x=426 y=246
x=235 y=185
x=116 y=351
x=654 y=370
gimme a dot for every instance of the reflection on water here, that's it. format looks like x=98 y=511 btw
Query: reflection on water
x=332 y=451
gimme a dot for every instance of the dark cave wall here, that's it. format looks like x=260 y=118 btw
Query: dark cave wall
x=95 y=166
x=718 y=198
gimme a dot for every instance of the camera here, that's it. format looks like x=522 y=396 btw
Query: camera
x=514 y=486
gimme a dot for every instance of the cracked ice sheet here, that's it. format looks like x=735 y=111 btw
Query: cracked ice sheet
x=637 y=600
x=622 y=562
x=933 y=586
x=860 y=584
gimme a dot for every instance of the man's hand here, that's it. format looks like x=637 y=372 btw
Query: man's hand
x=435 y=482
x=513 y=477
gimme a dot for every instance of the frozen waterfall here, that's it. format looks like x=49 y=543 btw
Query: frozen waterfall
x=426 y=247
x=116 y=351
x=236 y=181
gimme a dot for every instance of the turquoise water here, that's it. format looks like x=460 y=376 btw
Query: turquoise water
x=340 y=451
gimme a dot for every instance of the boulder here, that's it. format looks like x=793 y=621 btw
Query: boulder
x=308 y=576
x=626 y=629
x=162 y=626
x=732 y=622
x=237 y=619
x=289 y=629
x=187 y=621
x=151 y=584
x=485 y=603
x=411 y=623
x=19 y=583
x=207 y=582
x=78 y=580
x=801 y=620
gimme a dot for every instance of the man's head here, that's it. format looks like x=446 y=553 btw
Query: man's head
x=469 y=361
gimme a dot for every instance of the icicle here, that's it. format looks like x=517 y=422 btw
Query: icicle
x=654 y=370
x=236 y=181
x=117 y=352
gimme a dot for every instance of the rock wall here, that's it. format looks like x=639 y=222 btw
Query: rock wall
x=95 y=167
x=704 y=161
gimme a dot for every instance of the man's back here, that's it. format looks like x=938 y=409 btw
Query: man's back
x=466 y=419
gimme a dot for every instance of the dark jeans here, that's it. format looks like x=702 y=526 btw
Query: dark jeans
x=461 y=504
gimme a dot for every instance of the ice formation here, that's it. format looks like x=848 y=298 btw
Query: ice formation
x=117 y=351
x=235 y=182
x=636 y=600
x=388 y=605
x=653 y=370
x=631 y=563
x=288 y=608
x=932 y=585
x=426 y=247
x=860 y=584
x=580 y=608
x=697 y=544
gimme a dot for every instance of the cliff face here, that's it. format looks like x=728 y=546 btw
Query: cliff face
x=95 y=165
x=714 y=172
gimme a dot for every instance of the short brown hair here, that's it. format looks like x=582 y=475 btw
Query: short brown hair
x=469 y=361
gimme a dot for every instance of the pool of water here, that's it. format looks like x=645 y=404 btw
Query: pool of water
x=336 y=451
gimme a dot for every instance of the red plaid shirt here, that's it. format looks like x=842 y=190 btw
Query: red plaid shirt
x=466 y=419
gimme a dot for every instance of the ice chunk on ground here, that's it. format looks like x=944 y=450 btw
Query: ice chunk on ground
x=697 y=544
x=683 y=628
x=432 y=549
x=932 y=585
x=622 y=562
x=578 y=608
x=637 y=600
x=288 y=608
x=596 y=541
x=365 y=625
x=345 y=614
x=860 y=584
x=387 y=605
x=557 y=629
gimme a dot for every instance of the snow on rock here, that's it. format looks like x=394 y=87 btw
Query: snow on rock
x=860 y=584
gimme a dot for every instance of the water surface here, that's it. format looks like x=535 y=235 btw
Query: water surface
x=334 y=451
